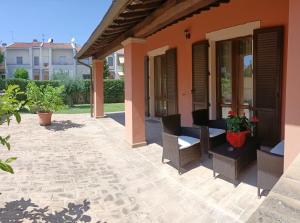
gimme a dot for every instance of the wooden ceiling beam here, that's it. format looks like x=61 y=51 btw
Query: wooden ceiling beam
x=171 y=11
x=116 y=30
x=168 y=13
x=134 y=14
x=144 y=6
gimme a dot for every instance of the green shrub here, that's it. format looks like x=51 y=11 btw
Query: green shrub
x=113 y=91
x=76 y=91
x=1 y=57
x=21 y=73
x=44 y=98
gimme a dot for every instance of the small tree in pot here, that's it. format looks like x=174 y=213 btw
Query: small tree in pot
x=45 y=100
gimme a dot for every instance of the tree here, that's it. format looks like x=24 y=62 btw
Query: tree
x=106 y=73
x=21 y=73
x=10 y=106
x=1 y=57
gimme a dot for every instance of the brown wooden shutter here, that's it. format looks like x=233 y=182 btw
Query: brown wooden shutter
x=171 y=75
x=200 y=75
x=147 y=97
x=268 y=50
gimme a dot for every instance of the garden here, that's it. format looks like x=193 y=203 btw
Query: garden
x=76 y=93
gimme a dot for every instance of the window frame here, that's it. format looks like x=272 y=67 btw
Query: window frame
x=38 y=61
x=235 y=78
x=17 y=60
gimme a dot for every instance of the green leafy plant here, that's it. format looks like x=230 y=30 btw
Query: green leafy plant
x=44 y=98
x=9 y=106
x=240 y=123
x=1 y=57
x=79 y=94
x=74 y=88
x=106 y=73
x=21 y=73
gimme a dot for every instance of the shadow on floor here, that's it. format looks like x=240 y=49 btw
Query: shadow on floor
x=21 y=210
x=118 y=117
x=153 y=127
x=247 y=176
x=63 y=125
x=153 y=135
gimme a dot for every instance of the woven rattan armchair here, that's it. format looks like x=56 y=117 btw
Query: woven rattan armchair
x=213 y=132
x=269 y=169
x=181 y=145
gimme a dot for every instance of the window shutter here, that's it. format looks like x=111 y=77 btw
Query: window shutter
x=171 y=75
x=268 y=56
x=146 y=73
x=200 y=75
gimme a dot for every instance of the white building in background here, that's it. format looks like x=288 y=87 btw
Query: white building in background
x=42 y=60
x=115 y=62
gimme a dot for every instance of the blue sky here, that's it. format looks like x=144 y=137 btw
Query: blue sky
x=25 y=20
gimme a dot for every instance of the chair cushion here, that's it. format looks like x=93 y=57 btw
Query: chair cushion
x=213 y=132
x=187 y=141
x=278 y=149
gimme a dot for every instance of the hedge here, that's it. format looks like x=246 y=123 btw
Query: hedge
x=76 y=91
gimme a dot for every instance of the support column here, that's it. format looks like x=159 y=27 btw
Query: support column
x=292 y=109
x=98 y=88
x=134 y=50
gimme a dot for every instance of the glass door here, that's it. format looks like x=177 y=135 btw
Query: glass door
x=225 y=88
x=245 y=77
x=235 y=77
x=160 y=86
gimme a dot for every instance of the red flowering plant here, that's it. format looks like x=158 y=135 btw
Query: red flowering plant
x=240 y=123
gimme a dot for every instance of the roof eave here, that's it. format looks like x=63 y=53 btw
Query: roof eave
x=116 y=6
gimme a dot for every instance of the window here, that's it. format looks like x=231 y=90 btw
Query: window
x=19 y=60
x=36 y=61
x=45 y=74
x=36 y=74
x=110 y=61
x=62 y=60
x=235 y=76
x=120 y=60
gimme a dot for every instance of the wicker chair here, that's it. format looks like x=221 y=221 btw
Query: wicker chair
x=200 y=117
x=213 y=132
x=181 y=145
x=269 y=169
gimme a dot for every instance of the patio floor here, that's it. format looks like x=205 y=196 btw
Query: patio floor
x=82 y=170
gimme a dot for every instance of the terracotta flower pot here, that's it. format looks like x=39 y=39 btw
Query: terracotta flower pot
x=236 y=139
x=45 y=118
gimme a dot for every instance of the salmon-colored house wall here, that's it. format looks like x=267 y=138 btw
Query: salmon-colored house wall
x=237 y=12
x=292 y=125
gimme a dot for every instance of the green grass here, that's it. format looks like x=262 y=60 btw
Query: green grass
x=80 y=109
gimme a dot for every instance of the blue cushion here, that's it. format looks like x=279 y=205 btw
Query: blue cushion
x=213 y=132
x=278 y=149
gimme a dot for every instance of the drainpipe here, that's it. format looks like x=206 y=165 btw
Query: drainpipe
x=91 y=85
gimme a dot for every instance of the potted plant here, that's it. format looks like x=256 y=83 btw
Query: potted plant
x=44 y=100
x=238 y=127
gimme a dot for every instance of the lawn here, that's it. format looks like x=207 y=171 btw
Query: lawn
x=79 y=109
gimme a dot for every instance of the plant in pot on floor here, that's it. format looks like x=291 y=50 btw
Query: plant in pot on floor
x=238 y=127
x=44 y=100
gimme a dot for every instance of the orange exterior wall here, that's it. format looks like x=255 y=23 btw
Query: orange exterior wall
x=237 y=12
x=98 y=88
x=134 y=52
x=292 y=121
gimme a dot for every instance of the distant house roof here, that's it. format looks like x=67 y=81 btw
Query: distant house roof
x=18 y=45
